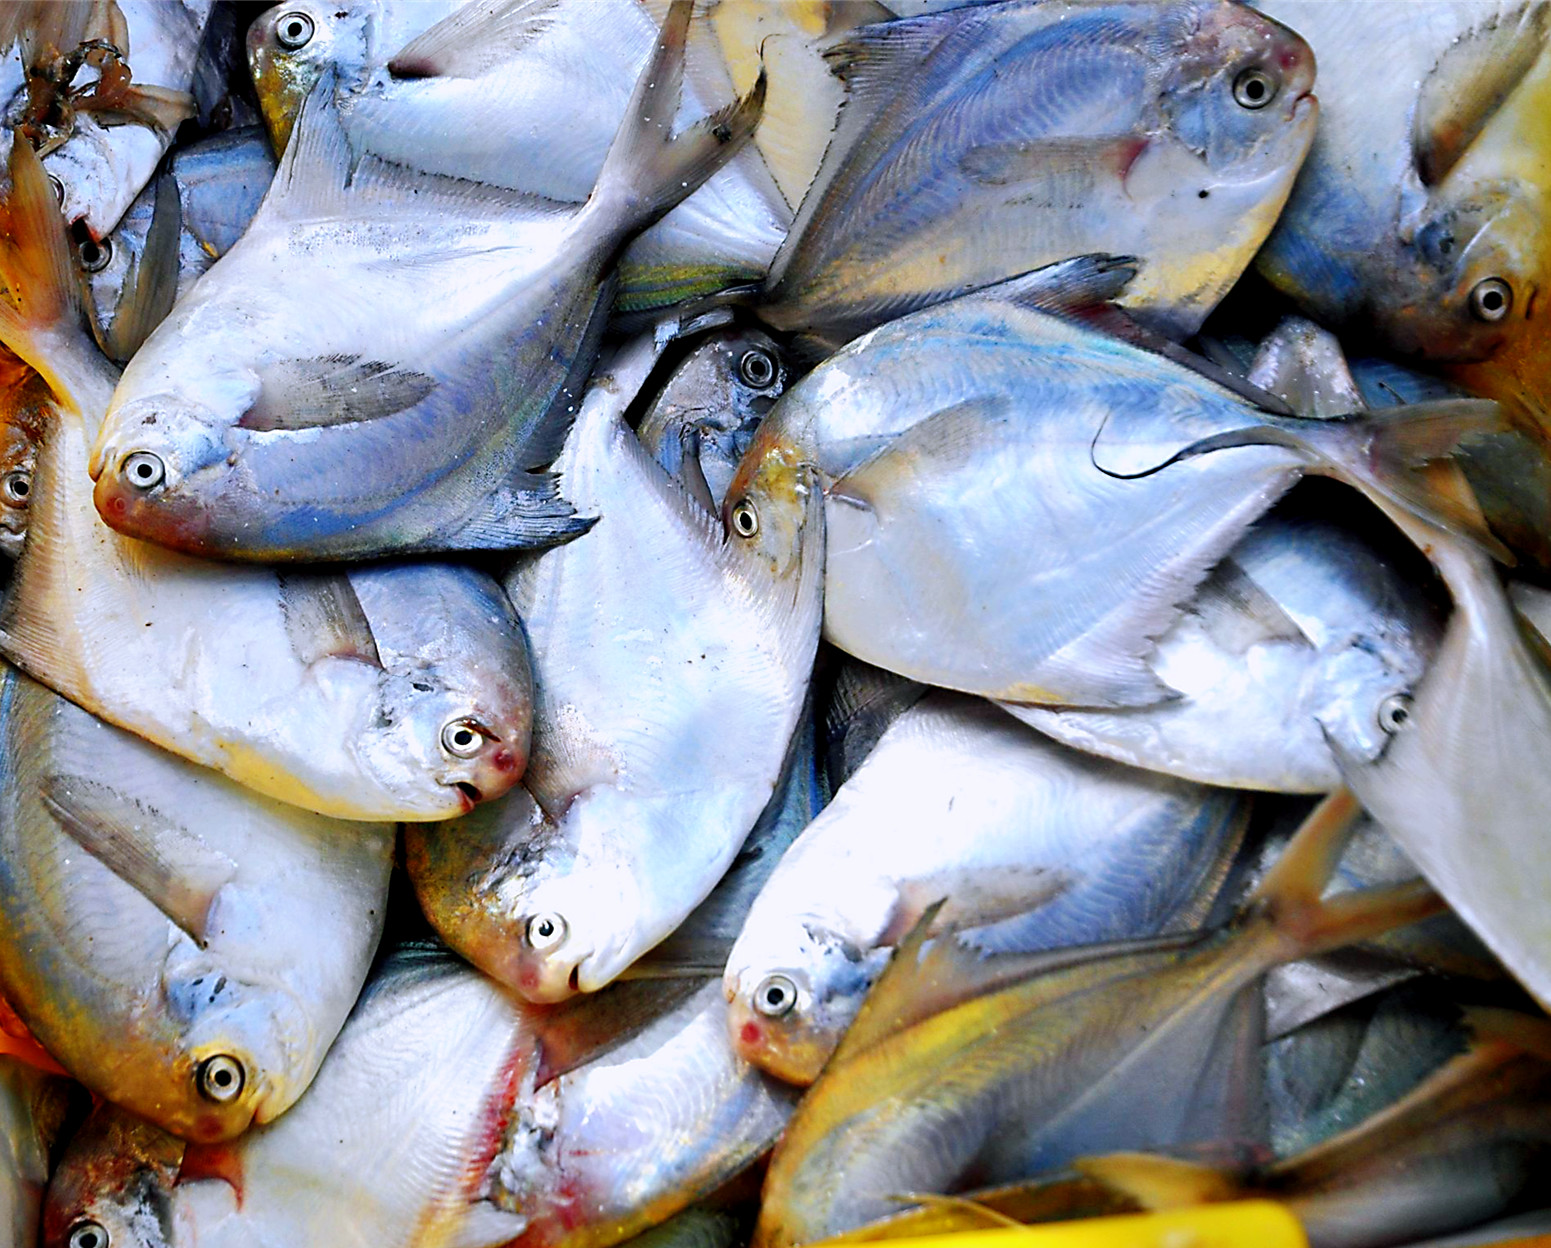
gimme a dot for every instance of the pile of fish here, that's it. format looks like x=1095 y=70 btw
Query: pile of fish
x=769 y=622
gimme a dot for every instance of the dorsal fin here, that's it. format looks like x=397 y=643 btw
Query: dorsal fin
x=151 y=285
x=475 y=39
x=35 y=265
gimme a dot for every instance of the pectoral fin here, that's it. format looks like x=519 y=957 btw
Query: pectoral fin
x=171 y=867
x=332 y=390
x=473 y=40
x=325 y=619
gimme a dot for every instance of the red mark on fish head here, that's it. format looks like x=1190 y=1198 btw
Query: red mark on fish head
x=751 y=1034
x=503 y=760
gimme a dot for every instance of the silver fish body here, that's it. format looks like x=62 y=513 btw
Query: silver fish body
x=185 y=948
x=32 y=1106
x=660 y=728
x=985 y=141
x=1305 y=633
x=448 y=409
x=1033 y=846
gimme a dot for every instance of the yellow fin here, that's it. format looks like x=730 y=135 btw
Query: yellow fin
x=1157 y=1182
x=35 y=267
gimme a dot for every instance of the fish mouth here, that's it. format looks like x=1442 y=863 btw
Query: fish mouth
x=468 y=794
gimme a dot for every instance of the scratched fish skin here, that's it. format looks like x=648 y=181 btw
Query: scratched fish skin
x=1305 y=629
x=633 y=1137
x=706 y=413
x=983 y=142
x=220 y=181
x=32 y=1106
x=473 y=97
x=1067 y=1063
x=279 y=681
x=231 y=935
x=985 y=452
x=1417 y=219
x=444 y=410
x=1034 y=846
x=660 y=727
x=101 y=165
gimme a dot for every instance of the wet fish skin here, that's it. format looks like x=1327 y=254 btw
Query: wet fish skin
x=563 y=885
x=23 y=406
x=710 y=407
x=937 y=182
x=1035 y=847
x=234 y=927
x=1305 y=632
x=456 y=405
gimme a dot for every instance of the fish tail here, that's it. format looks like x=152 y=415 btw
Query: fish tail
x=648 y=169
x=1158 y=1183
x=1300 y=921
x=35 y=266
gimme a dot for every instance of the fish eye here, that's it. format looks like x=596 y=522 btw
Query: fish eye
x=463 y=738
x=1491 y=299
x=93 y=256
x=220 y=1079
x=757 y=368
x=144 y=470
x=1254 y=88
x=745 y=518
x=88 y=1234
x=15 y=487
x=545 y=931
x=1394 y=713
x=775 y=996
x=59 y=188
x=293 y=30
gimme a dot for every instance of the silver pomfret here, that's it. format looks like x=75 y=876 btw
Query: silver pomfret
x=446 y=409
x=983 y=142
x=1303 y=632
x=660 y=728
x=276 y=680
x=1034 y=846
x=184 y=947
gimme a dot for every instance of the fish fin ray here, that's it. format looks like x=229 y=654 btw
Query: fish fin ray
x=526 y=513
x=35 y=265
x=150 y=289
x=1069 y=287
x=168 y=865
x=1236 y=612
x=1470 y=82
x=648 y=169
x=332 y=390
x=324 y=618
x=473 y=40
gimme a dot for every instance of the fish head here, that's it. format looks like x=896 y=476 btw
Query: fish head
x=113 y=1185
x=788 y=1008
x=774 y=506
x=246 y=1052
x=289 y=47
x=149 y=449
x=23 y=407
x=1364 y=690
x=1236 y=86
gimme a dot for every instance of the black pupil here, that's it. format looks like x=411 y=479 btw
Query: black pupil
x=757 y=368
x=222 y=1078
x=87 y=1239
x=293 y=30
x=90 y=253
x=773 y=995
x=1398 y=714
x=464 y=737
x=143 y=471
x=1492 y=300
x=19 y=487
x=546 y=928
x=1255 y=88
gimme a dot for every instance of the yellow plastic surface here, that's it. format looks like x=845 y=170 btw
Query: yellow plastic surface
x=1237 y=1224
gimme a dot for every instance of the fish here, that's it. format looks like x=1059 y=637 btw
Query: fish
x=862 y=702
x=1416 y=222
x=1463 y=1146
x=183 y=947
x=446 y=412
x=33 y=1109
x=101 y=146
x=24 y=403
x=111 y=1187
x=1025 y=1079
x=989 y=451
x=468 y=93
x=986 y=141
x=219 y=183
x=1308 y=631
x=276 y=679
x=702 y=420
x=1034 y=846
x=607 y=1150
x=660 y=729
